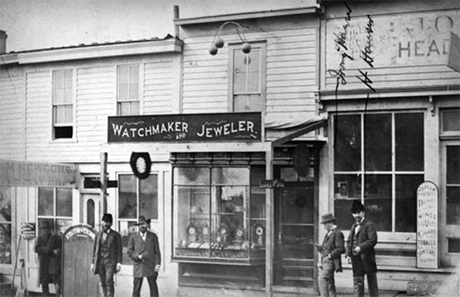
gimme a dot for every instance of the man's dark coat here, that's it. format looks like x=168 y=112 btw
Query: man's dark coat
x=115 y=249
x=150 y=251
x=367 y=239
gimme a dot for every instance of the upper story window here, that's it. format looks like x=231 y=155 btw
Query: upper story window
x=379 y=159
x=62 y=104
x=128 y=90
x=247 y=80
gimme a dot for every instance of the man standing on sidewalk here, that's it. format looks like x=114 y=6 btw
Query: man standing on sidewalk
x=144 y=249
x=331 y=250
x=360 y=248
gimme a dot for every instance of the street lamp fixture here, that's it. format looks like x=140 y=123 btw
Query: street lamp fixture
x=218 y=41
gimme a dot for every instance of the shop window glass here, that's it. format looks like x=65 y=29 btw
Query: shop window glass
x=347 y=143
x=378 y=142
x=136 y=197
x=453 y=185
x=54 y=209
x=6 y=248
x=406 y=201
x=453 y=245
x=393 y=148
x=409 y=142
x=211 y=215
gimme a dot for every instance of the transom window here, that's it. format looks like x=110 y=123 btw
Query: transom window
x=247 y=78
x=62 y=104
x=128 y=90
x=379 y=160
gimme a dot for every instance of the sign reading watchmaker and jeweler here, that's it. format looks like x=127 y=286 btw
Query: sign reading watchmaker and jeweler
x=186 y=127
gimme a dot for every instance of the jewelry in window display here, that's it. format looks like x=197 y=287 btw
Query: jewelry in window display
x=259 y=234
x=222 y=234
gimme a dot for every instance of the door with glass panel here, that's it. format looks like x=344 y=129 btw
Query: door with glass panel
x=294 y=235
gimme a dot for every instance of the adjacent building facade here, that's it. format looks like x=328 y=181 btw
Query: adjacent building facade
x=234 y=155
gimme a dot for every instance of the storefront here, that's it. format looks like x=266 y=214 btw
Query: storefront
x=237 y=195
x=392 y=95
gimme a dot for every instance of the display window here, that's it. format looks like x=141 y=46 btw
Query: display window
x=219 y=214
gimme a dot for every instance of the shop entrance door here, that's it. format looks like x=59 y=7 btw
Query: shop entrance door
x=294 y=227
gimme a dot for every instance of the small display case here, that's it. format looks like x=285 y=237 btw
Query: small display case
x=219 y=215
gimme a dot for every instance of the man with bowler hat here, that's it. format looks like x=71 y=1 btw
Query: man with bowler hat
x=144 y=249
x=360 y=248
x=107 y=255
x=331 y=250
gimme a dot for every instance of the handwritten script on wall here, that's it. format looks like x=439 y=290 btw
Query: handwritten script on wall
x=427 y=225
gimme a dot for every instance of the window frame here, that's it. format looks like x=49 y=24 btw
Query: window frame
x=232 y=47
x=362 y=172
x=54 y=217
x=71 y=124
x=139 y=89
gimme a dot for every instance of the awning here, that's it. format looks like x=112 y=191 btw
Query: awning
x=281 y=129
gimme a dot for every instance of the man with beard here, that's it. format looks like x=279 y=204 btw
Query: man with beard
x=144 y=249
x=360 y=248
x=107 y=255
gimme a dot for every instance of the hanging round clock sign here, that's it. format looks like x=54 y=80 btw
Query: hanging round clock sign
x=140 y=164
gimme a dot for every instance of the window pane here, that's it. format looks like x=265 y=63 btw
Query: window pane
x=135 y=108
x=191 y=176
x=124 y=108
x=45 y=226
x=63 y=224
x=58 y=80
x=241 y=103
x=133 y=91
x=406 y=202
x=68 y=114
x=5 y=205
x=90 y=213
x=347 y=186
x=253 y=83
x=451 y=120
x=297 y=207
x=453 y=205
x=5 y=243
x=453 y=245
x=342 y=211
x=134 y=74
x=58 y=96
x=377 y=200
x=453 y=164
x=45 y=202
x=148 y=197
x=347 y=139
x=123 y=74
x=295 y=242
x=68 y=74
x=377 y=142
x=123 y=92
x=59 y=114
x=127 y=197
x=64 y=202
x=230 y=176
x=126 y=228
x=409 y=142
x=67 y=96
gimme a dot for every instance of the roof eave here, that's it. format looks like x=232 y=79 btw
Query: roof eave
x=101 y=51
x=243 y=16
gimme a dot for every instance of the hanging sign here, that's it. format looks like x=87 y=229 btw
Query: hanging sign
x=427 y=225
x=140 y=164
x=186 y=127
x=28 y=230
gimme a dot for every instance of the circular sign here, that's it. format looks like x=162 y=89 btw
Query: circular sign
x=141 y=164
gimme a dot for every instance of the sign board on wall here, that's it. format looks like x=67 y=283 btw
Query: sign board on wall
x=29 y=174
x=244 y=127
x=421 y=38
x=427 y=225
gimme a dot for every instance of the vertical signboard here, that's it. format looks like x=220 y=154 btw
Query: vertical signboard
x=77 y=278
x=427 y=225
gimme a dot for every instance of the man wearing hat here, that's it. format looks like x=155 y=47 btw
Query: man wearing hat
x=331 y=250
x=144 y=249
x=107 y=255
x=360 y=248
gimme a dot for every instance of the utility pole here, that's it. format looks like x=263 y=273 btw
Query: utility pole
x=103 y=178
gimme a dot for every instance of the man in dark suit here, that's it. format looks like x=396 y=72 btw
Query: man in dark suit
x=107 y=255
x=331 y=250
x=44 y=254
x=360 y=248
x=144 y=249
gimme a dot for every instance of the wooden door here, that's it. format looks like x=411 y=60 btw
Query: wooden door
x=294 y=227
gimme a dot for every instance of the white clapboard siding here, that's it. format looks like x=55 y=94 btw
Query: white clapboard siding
x=11 y=116
x=96 y=100
x=291 y=63
x=158 y=86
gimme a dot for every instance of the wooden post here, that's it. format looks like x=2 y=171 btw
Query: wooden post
x=269 y=229
x=103 y=177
